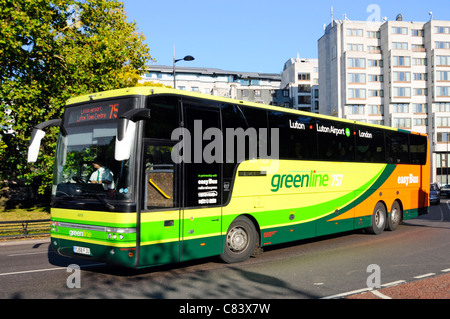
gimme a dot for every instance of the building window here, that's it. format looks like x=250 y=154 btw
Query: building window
x=375 y=63
x=402 y=92
x=355 y=109
x=304 y=99
x=356 y=78
x=379 y=93
x=443 y=107
x=420 y=108
x=375 y=78
x=442 y=60
x=399 y=30
x=417 y=32
x=355 y=47
x=402 y=60
x=356 y=93
x=442 y=121
x=420 y=122
x=373 y=48
x=373 y=34
x=304 y=88
x=402 y=76
x=400 y=45
x=355 y=32
x=420 y=61
x=442 y=75
x=420 y=76
x=400 y=108
x=304 y=76
x=442 y=137
x=441 y=45
x=404 y=123
x=285 y=93
x=445 y=30
x=375 y=109
x=195 y=89
x=443 y=91
x=356 y=63
x=245 y=93
x=420 y=91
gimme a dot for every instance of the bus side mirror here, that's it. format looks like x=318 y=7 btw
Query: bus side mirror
x=126 y=129
x=36 y=137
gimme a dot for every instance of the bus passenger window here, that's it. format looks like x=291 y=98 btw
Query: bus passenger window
x=397 y=148
x=369 y=145
x=298 y=139
x=418 y=149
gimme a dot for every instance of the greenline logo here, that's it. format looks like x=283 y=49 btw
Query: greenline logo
x=313 y=179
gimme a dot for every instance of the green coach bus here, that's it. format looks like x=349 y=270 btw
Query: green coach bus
x=148 y=176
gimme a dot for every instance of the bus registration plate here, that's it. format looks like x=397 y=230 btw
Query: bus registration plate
x=82 y=250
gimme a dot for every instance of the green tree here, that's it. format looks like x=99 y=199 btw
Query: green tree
x=51 y=50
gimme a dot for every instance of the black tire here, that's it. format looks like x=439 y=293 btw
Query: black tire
x=378 y=219
x=395 y=217
x=240 y=241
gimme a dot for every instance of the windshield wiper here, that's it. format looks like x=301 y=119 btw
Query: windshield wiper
x=108 y=205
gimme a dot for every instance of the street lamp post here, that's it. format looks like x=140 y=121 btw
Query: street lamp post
x=186 y=58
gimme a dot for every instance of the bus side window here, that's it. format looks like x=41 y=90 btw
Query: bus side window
x=298 y=140
x=397 y=148
x=164 y=117
x=369 y=145
x=418 y=149
x=336 y=141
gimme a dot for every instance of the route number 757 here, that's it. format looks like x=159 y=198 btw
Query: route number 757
x=336 y=179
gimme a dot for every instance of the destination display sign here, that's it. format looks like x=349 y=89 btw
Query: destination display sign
x=98 y=111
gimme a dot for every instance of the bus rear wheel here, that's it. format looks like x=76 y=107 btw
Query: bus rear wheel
x=395 y=217
x=378 y=219
x=240 y=241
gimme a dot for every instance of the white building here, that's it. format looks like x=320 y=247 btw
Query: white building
x=301 y=78
x=247 y=86
x=395 y=73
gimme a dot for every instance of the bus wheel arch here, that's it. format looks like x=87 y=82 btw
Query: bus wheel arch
x=241 y=240
x=379 y=217
x=395 y=216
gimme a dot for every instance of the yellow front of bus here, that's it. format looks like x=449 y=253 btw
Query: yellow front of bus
x=93 y=209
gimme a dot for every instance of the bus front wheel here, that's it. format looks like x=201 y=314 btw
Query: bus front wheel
x=240 y=241
x=378 y=219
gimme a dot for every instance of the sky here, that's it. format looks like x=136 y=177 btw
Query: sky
x=256 y=35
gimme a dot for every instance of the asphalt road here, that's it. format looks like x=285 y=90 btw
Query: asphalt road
x=328 y=267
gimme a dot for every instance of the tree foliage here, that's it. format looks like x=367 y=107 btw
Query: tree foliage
x=51 y=50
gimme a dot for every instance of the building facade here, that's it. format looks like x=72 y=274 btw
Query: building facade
x=247 y=86
x=301 y=78
x=395 y=73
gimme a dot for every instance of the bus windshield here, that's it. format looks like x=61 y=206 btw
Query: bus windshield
x=85 y=166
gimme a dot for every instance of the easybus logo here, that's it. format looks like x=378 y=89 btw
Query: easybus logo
x=313 y=179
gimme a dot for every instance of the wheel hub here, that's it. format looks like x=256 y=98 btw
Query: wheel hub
x=237 y=239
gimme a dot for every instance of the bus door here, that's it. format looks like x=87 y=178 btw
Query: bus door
x=160 y=217
x=202 y=180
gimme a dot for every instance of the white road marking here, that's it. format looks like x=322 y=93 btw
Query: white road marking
x=425 y=275
x=45 y=269
x=380 y=295
x=394 y=283
x=25 y=254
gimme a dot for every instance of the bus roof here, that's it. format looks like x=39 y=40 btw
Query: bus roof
x=153 y=90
